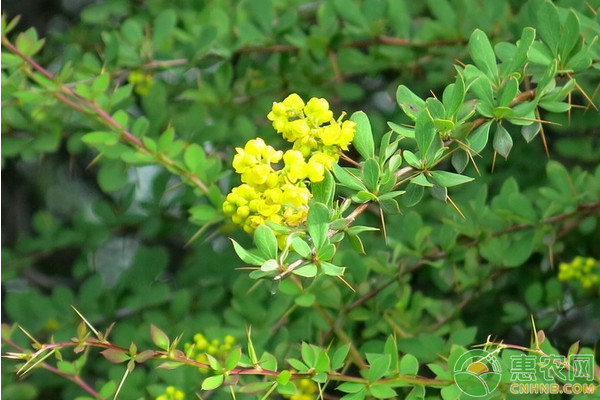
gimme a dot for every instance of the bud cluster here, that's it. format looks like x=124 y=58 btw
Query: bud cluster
x=583 y=269
x=202 y=346
x=306 y=390
x=171 y=393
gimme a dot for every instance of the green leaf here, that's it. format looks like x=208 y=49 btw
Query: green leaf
x=403 y=131
x=159 y=338
x=324 y=191
x=246 y=256
x=379 y=367
x=268 y=361
x=270 y=266
x=508 y=92
x=443 y=125
x=502 y=112
x=309 y=355
x=363 y=136
x=112 y=176
x=164 y=26
x=298 y=365
x=454 y=96
x=331 y=269
x=266 y=242
x=410 y=103
x=382 y=391
x=502 y=141
x=464 y=336
x=414 y=194
x=483 y=55
x=482 y=87
x=326 y=252
x=301 y=247
x=347 y=179
x=539 y=53
x=339 y=357
x=421 y=180
x=108 y=389
x=518 y=60
x=318 y=224
x=195 y=158
x=233 y=358
x=529 y=132
x=460 y=160
x=390 y=206
x=449 y=179
x=305 y=300
x=436 y=108
x=202 y=213
x=548 y=24
x=322 y=364
x=546 y=83
x=105 y=138
x=409 y=365
x=411 y=159
x=555 y=106
x=425 y=135
x=100 y=84
x=284 y=377
x=166 y=138
x=212 y=382
x=140 y=127
x=417 y=393
x=370 y=174
x=213 y=362
x=66 y=367
x=351 y=387
x=307 y=271
x=478 y=139
x=356 y=243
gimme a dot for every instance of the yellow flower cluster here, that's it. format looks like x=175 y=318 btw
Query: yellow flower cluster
x=172 y=393
x=274 y=183
x=202 y=346
x=307 y=390
x=584 y=270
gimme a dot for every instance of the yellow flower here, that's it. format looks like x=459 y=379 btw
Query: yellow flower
x=317 y=111
x=315 y=170
x=295 y=165
x=294 y=103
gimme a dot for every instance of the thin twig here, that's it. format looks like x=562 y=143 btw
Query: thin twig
x=72 y=99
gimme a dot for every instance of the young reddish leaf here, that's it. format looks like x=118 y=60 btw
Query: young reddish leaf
x=115 y=356
x=170 y=365
x=144 y=356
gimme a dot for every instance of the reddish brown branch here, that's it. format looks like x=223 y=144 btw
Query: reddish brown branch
x=73 y=378
x=67 y=96
x=380 y=40
x=582 y=211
